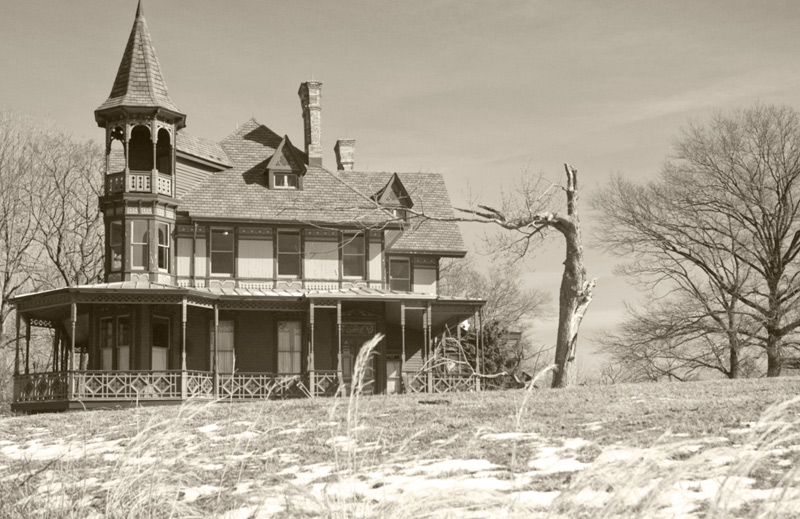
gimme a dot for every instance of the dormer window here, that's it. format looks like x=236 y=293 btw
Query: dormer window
x=285 y=169
x=285 y=181
x=399 y=213
x=394 y=199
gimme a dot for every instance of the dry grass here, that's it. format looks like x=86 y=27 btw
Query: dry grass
x=710 y=449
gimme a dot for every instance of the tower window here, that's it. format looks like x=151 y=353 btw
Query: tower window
x=163 y=246
x=141 y=149
x=115 y=244
x=139 y=244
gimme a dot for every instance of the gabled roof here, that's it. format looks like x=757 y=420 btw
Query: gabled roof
x=286 y=158
x=139 y=82
x=201 y=148
x=334 y=198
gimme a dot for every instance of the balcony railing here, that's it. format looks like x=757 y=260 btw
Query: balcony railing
x=138 y=182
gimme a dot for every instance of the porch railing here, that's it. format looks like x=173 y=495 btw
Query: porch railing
x=126 y=385
x=244 y=386
x=324 y=382
x=424 y=382
x=40 y=387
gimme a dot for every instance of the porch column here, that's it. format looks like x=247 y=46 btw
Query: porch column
x=216 y=343
x=312 y=382
x=27 y=346
x=426 y=347
x=16 y=348
x=402 y=337
x=339 y=334
x=56 y=339
x=184 y=375
x=73 y=318
x=478 y=349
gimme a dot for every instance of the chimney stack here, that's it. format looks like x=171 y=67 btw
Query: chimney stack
x=310 y=98
x=345 y=154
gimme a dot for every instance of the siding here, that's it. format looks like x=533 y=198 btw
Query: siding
x=425 y=280
x=321 y=260
x=255 y=259
x=201 y=260
x=188 y=175
x=184 y=257
x=375 y=262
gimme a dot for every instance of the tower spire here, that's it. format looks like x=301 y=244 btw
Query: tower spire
x=139 y=83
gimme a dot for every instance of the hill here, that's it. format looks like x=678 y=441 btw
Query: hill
x=703 y=449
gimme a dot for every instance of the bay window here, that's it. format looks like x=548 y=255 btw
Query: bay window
x=139 y=244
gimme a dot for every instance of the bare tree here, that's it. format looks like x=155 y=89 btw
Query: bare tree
x=528 y=214
x=725 y=211
x=62 y=196
x=18 y=258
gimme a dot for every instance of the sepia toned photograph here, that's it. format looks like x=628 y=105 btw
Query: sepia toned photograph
x=423 y=259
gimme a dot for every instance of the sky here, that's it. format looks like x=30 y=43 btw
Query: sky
x=477 y=91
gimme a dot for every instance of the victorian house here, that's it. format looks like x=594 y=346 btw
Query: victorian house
x=245 y=268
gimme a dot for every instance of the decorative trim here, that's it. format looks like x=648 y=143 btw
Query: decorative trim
x=42 y=323
x=358 y=328
x=255 y=232
x=425 y=260
x=357 y=313
x=375 y=235
x=250 y=304
x=39 y=303
x=321 y=234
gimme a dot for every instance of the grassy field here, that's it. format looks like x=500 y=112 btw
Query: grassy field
x=702 y=449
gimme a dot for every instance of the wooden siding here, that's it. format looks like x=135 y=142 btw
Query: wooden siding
x=321 y=260
x=183 y=258
x=425 y=280
x=201 y=260
x=255 y=259
x=375 y=261
x=188 y=175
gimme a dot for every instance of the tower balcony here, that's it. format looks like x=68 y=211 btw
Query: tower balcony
x=138 y=182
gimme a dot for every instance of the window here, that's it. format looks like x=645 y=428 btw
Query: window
x=222 y=252
x=400 y=275
x=353 y=255
x=289 y=253
x=115 y=242
x=285 y=180
x=289 y=343
x=159 y=335
x=107 y=343
x=123 y=342
x=225 y=351
x=139 y=243
x=399 y=213
x=163 y=246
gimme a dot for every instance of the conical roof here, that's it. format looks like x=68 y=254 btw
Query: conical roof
x=139 y=82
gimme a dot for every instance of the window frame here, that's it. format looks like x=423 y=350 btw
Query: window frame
x=295 y=349
x=163 y=248
x=212 y=251
x=407 y=261
x=107 y=342
x=286 y=176
x=116 y=243
x=118 y=343
x=348 y=239
x=298 y=253
x=145 y=244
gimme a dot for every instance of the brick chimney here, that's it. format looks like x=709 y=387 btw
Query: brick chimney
x=345 y=154
x=310 y=97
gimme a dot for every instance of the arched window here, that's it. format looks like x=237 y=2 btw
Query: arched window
x=116 y=151
x=141 y=149
x=164 y=152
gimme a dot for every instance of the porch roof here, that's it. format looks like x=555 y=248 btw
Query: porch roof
x=132 y=288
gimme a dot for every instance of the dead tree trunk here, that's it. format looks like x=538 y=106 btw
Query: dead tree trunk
x=576 y=293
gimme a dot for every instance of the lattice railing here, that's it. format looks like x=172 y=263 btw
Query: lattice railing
x=416 y=382
x=164 y=184
x=40 y=387
x=138 y=181
x=324 y=382
x=247 y=386
x=453 y=382
x=126 y=385
x=199 y=384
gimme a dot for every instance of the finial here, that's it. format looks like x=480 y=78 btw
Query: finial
x=139 y=10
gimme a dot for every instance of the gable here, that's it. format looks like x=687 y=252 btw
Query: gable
x=286 y=159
